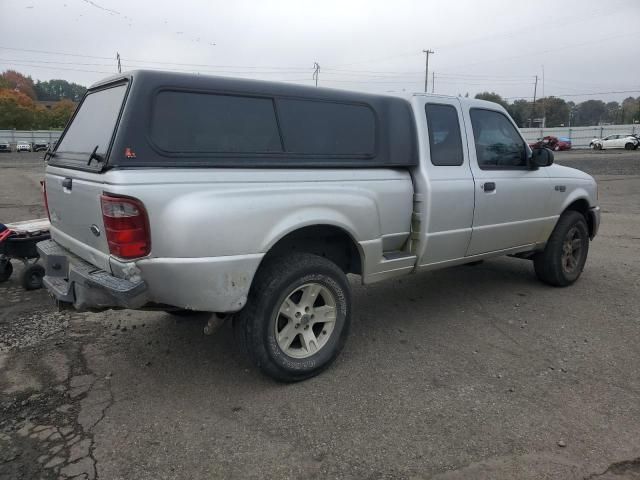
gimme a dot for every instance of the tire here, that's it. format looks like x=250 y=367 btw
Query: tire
x=32 y=277
x=6 y=269
x=563 y=259
x=629 y=146
x=288 y=284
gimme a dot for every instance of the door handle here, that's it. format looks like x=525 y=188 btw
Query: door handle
x=67 y=183
x=489 y=186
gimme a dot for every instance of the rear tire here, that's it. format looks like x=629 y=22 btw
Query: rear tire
x=6 y=269
x=563 y=259
x=297 y=317
x=32 y=277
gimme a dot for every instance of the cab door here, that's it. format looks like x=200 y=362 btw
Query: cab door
x=511 y=199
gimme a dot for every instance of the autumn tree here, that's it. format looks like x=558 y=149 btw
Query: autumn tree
x=17 y=81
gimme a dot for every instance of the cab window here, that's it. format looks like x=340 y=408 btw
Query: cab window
x=498 y=143
x=445 y=143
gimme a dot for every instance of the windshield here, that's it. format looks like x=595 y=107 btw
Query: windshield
x=93 y=125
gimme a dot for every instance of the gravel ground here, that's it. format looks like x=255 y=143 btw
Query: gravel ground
x=471 y=372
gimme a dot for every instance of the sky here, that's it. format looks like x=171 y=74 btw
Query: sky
x=579 y=49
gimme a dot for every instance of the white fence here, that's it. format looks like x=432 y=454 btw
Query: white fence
x=580 y=136
x=31 y=136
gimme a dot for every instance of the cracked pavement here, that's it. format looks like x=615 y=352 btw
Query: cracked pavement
x=473 y=372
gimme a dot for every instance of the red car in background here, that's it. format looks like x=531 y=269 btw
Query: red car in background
x=552 y=143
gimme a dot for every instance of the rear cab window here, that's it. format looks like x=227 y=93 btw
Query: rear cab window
x=445 y=141
x=91 y=129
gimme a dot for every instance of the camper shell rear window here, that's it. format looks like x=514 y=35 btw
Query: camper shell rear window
x=87 y=140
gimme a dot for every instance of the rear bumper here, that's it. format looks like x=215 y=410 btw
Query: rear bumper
x=594 y=220
x=211 y=284
x=72 y=280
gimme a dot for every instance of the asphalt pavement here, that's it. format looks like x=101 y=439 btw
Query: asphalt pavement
x=471 y=372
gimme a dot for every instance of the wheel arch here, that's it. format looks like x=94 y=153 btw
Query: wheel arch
x=327 y=240
x=582 y=206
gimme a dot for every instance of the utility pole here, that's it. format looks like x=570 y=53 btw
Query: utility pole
x=316 y=72
x=433 y=82
x=533 y=106
x=426 y=68
x=119 y=64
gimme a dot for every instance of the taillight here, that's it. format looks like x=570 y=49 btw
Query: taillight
x=46 y=200
x=126 y=225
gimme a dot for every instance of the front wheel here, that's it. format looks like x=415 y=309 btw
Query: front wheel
x=563 y=259
x=297 y=318
x=629 y=146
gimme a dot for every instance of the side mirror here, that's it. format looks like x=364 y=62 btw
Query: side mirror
x=541 y=157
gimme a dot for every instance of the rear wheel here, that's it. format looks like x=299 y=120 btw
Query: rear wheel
x=297 y=318
x=563 y=259
x=32 y=277
x=6 y=269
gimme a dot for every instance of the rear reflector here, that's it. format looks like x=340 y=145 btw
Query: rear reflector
x=126 y=225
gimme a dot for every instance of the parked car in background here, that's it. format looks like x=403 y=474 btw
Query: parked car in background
x=40 y=147
x=5 y=147
x=23 y=147
x=552 y=143
x=628 y=142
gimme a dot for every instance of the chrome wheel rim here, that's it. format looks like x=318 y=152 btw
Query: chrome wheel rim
x=572 y=250
x=305 y=320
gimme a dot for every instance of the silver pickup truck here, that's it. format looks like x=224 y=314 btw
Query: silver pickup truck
x=192 y=193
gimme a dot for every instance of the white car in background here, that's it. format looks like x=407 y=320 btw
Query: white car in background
x=23 y=147
x=628 y=142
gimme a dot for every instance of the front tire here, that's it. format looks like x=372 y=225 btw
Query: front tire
x=297 y=317
x=563 y=259
x=629 y=146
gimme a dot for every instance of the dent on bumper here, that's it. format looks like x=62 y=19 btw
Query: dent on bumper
x=72 y=280
x=212 y=284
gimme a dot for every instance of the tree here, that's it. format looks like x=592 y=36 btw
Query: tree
x=17 y=110
x=613 y=112
x=16 y=81
x=492 y=97
x=630 y=110
x=591 y=112
x=520 y=111
x=555 y=110
x=60 y=113
x=53 y=90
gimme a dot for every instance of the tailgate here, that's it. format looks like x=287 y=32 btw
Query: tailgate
x=76 y=214
x=74 y=179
